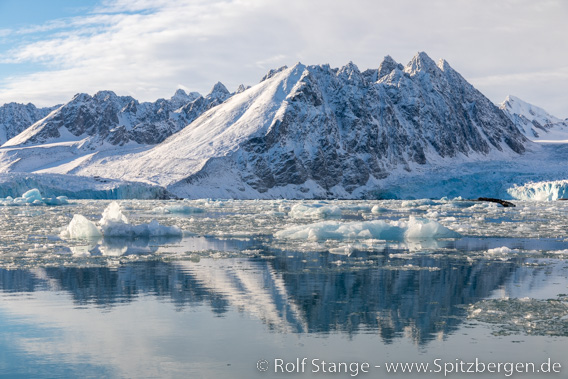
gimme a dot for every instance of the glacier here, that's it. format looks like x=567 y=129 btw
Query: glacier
x=77 y=187
x=540 y=191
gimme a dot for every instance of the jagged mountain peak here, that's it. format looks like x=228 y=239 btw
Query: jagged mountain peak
x=181 y=97
x=241 y=88
x=533 y=121
x=219 y=90
x=105 y=96
x=350 y=71
x=521 y=107
x=387 y=66
x=80 y=97
x=180 y=93
x=273 y=72
x=349 y=67
x=421 y=62
x=444 y=65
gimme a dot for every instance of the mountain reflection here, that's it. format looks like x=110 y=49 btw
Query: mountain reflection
x=419 y=297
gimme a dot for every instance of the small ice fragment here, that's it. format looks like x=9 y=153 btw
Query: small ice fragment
x=377 y=209
x=424 y=228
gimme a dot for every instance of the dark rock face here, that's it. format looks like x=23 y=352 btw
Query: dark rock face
x=15 y=118
x=342 y=127
x=121 y=119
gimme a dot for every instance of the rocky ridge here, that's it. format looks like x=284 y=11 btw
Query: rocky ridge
x=118 y=120
x=15 y=118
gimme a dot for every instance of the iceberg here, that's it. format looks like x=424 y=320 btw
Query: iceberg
x=115 y=224
x=81 y=227
x=34 y=197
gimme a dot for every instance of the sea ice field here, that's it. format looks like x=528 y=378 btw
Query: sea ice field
x=226 y=288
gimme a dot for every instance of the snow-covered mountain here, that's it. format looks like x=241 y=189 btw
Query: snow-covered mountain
x=302 y=132
x=117 y=120
x=317 y=131
x=15 y=118
x=534 y=122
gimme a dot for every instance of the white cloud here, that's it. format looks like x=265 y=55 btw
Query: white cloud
x=146 y=48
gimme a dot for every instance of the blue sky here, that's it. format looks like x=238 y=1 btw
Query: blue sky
x=50 y=50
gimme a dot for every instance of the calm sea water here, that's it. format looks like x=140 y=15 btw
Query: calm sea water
x=254 y=288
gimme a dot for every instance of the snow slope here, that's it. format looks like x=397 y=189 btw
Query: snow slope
x=534 y=122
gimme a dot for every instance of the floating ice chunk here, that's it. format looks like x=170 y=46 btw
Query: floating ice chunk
x=115 y=224
x=59 y=200
x=113 y=214
x=315 y=210
x=375 y=229
x=81 y=227
x=377 y=209
x=157 y=230
x=32 y=195
x=424 y=228
x=500 y=250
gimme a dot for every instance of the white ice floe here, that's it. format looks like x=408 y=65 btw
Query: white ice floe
x=115 y=224
x=315 y=210
x=34 y=197
x=376 y=229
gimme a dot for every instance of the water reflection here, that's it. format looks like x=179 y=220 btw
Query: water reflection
x=418 y=297
x=120 y=246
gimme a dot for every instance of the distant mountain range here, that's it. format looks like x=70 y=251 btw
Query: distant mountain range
x=534 y=122
x=302 y=132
